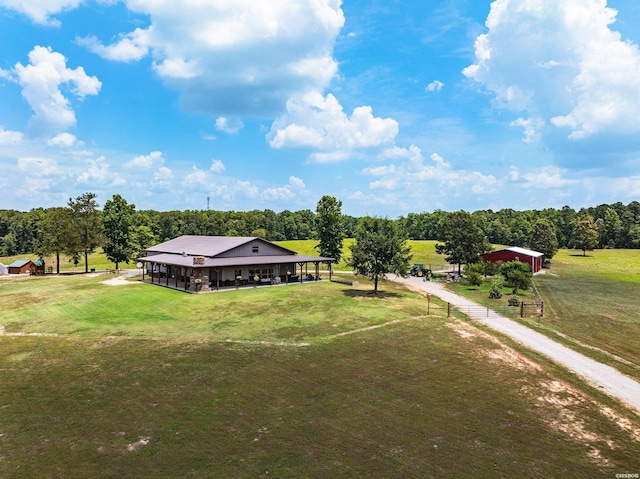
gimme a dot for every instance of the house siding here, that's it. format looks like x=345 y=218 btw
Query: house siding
x=264 y=249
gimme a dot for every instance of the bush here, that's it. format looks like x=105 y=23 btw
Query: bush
x=513 y=301
x=517 y=275
x=495 y=292
x=474 y=278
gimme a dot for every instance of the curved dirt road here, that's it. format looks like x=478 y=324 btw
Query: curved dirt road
x=606 y=378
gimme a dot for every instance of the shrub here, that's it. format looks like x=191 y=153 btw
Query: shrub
x=495 y=292
x=474 y=278
x=513 y=301
x=517 y=274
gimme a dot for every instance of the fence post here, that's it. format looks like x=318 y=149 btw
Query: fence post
x=541 y=308
x=448 y=310
x=522 y=309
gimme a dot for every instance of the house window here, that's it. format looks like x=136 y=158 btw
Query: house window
x=254 y=249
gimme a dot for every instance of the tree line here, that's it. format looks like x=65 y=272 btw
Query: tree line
x=82 y=226
x=616 y=225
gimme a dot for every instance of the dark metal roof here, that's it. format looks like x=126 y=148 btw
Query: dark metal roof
x=209 y=246
x=187 y=261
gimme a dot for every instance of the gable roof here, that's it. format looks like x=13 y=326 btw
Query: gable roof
x=19 y=263
x=522 y=251
x=209 y=246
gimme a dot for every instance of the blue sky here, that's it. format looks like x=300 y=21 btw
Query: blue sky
x=391 y=106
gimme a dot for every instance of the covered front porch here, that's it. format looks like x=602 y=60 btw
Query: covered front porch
x=205 y=277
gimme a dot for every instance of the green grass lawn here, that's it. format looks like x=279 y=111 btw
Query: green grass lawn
x=591 y=303
x=423 y=252
x=142 y=383
x=83 y=306
x=317 y=380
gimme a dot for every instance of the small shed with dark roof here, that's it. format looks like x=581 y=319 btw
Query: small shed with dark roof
x=530 y=257
x=201 y=263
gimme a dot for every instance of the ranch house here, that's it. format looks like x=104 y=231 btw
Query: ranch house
x=530 y=257
x=205 y=263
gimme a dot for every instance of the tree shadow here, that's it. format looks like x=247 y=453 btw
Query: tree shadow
x=368 y=293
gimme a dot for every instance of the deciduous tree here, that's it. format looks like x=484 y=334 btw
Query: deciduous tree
x=56 y=232
x=117 y=219
x=87 y=226
x=543 y=238
x=329 y=227
x=380 y=247
x=584 y=233
x=463 y=240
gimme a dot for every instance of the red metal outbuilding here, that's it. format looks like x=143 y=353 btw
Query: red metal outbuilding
x=530 y=257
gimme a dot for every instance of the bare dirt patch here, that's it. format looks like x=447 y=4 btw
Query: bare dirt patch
x=118 y=281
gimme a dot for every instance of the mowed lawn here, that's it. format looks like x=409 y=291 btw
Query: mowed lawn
x=140 y=382
x=595 y=300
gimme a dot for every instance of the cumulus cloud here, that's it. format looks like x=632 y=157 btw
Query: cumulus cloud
x=40 y=11
x=38 y=167
x=435 y=85
x=531 y=127
x=146 y=162
x=234 y=58
x=130 y=47
x=318 y=122
x=41 y=82
x=414 y=175
x=196 y=177
x=229 y=126
x=99 y=175
x=162 y=179
x=63 y=140
x=563 y=63
x=217 y=166
x=294 y=188
x=8 y=137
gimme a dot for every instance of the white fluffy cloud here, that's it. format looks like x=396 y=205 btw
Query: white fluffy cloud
x=408 y=181
x=99 y=175
x=38 y=167
x=130 y=47
x=563 y=63
x=294 y=188
x=63 y=140
x=10 y=137
x=217 y=166
x=40 y=11
x=229 y=126
x=435 y=85
x=41 y=82
x=318 y=122
x=145 y=162
x=234 y=58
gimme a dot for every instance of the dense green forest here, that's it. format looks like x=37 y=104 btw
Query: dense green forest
x=617 y=225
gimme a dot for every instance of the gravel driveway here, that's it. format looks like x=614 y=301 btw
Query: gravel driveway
x=606 y=378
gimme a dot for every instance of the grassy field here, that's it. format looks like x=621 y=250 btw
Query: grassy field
x=423 y=252
x=85 y=306
x=591 y=303
x=142 y=382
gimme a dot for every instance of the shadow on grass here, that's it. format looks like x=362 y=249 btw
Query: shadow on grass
x=368 y=293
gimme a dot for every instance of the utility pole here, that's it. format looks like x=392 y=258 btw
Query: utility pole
x=208 y=198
